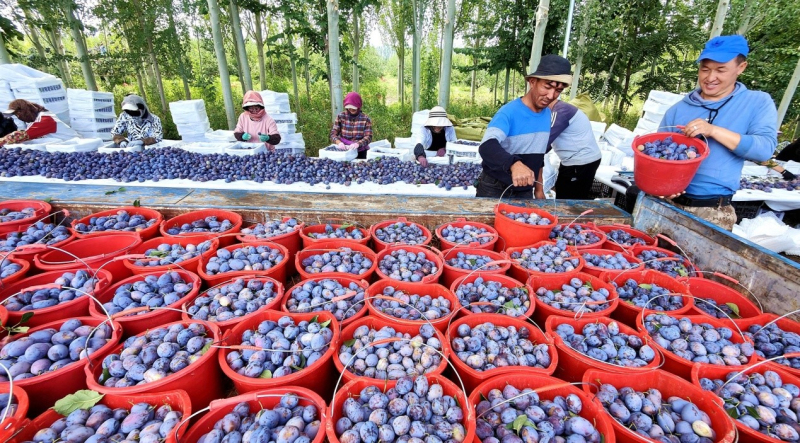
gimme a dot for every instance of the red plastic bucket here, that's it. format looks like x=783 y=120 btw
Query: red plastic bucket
x=202 y=379
x=548 y=388
x=225 y=238
x=44 y=390
x=191 y=265
x=669 y=386
x=628 y=313
x=432 y=289
x=574 y=364
x=177 y=400
x=18 y=419
x=226 y=325
x=504 y=280
x=380 y=245
x=318 y=377
x=471 y=377
x=585 y=227
x=597 y=271
x=460 y=223
x=28 y=252
x=138 y=323
x=522 y=273
x=146 y=233
x=40 y=208
x=659 y=177
x=333 y=245
x=516 y=233
x=614 y=246
x=746 y=434
x=290 y=240
x=637 y=251
x=683 y=368
x=263 y=399
x=306 y=234
x=278 y=272
x=25 y=266
x=344 y=281
x=554 y=282
x=451 y=273
x=431 y=254
x=94 y=253
x=785 y=324
x=353 y=388
x=709 y=289
x=78 y=307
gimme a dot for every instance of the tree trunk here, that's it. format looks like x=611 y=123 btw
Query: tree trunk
x=628 y=72
x=401 y=74
x=290 y=44
x=5 y=59
x=80 y=47
x=719 y=19
x=222 y=62
x=505 y=91
x=271 y=59
x=140 y=82
x=159 y=82
x=542 y=12
x=472 y=82
x=788 y=94
x=63 y=66
x=356 y=51
x=177 y=50
x=244 y=64
x=747 y=17
x=34 y=34
x=333 y=55
x=308 y=70
x=496 y=79
x=576 y=76
x=239 y=68
x=416 y=55
x=262 y=69
x=611 y=70
x=447 y=55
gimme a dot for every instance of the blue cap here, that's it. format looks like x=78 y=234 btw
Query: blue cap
x=724 y=48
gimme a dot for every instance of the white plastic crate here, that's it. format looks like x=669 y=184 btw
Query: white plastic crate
x=380 y=144
x=281 y=108
x=287 y=128
x=91 y=124
x=438 y=160
x=646 y=125
x=242 y=149
x=667 y=98
x=192 y=138
x=333 y=153
x=296 y=138
x=656 y=108
x=81 y=99
x=16 y=72
x=76 y=145
x=616 y=135
x=653 y=117
x=188 y=106
x=164 y=144
x=291 y=148
x=383 y=151
x=463 y=153
x=220 y=135
x=196 y=128
x=44 y=87
x=204 y=147
x=103 y=133
x=271 y=97
x=288 y=117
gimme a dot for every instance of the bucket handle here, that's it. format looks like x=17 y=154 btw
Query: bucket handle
x=227 y=282
x=690 y=296
x=755 y=365
x=10 y=398
x=536 y=391
x=678 y=127
x=736 y=282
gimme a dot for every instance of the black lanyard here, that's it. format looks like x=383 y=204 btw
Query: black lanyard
x=713 y=112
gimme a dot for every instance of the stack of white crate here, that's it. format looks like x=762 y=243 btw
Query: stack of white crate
x=277 y=106
x=37 y=87
x=91 y=113
x=191 y=119
x=657 y=104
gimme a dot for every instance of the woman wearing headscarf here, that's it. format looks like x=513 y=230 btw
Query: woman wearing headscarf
x=255 y=124
x=438 y=130
x=40 y=121
x=352 y=128
x=136 y=124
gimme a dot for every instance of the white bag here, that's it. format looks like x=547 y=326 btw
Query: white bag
x=768 y=231
x=380 y=144
x=16 y=72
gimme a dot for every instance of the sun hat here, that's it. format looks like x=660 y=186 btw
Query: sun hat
x=553 y=67
x=438 y=117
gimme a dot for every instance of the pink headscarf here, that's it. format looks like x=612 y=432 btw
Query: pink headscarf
x=354 y=99
x=252 y=98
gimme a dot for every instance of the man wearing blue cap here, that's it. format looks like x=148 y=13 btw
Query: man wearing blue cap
x=738 y=123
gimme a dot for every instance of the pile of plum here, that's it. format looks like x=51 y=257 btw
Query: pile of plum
x=121 y=221
x=408 y=356
x=51 y=349
x=608 y=344
x=232 y=300
x=272 y=228
x=157 y=353
x=716 y=310
x=610 y=260
x=772 y=341
x=698 y=343
x=624 y=238
x=344 y=260
x=464 y=235
x=648 y=295
x=404 y=265
x=413 y=409
x=529 y=218
x=9 y=215
x=169 y=254
x=407 y=306
x=673 y=267
x=667 y=149
x=244 y=258
x=471 y=262
x=153 y=291
x=39 y=232
x=549 y=258
x=341 y=232
x=575 y=235
x=208 y=224
x=492 y=297
x=315 y=296
x=762 y=402
x=402 y=233
x=514 y=415
x=577 y=296
x=279 y=168
x=69 y=287
x=649 y=415
x=286 y=348
x=488 y=346
x=8 y=268
x=287 y=422
x=144 y=422
x=767 y=185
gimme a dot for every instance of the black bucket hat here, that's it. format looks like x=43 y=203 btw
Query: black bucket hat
x=553 y=67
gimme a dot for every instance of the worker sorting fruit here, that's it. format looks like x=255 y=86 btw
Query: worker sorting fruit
x=40 y=121
x=352 y=128
x=254 y=124
x=572 y=139
x=434 y=135
x=136 y=125
x=738 y=124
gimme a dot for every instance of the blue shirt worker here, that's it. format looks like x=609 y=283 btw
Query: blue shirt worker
x=516 y=139
x=738 y=123
x=572 y=138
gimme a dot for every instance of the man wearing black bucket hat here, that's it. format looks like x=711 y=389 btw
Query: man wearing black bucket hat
x=515 y=141
x=739 y=124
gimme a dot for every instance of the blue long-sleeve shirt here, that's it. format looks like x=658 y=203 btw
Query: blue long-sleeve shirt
x=751 y=114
